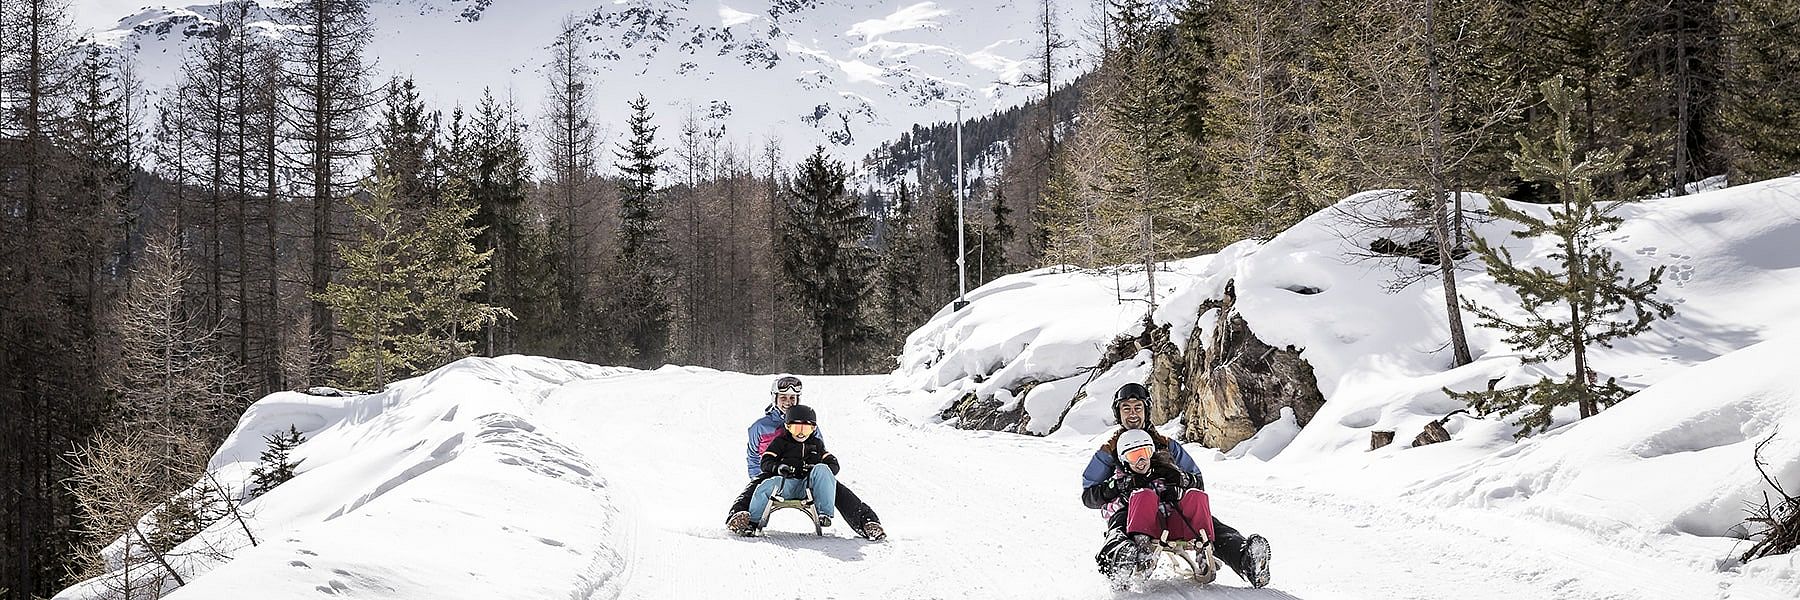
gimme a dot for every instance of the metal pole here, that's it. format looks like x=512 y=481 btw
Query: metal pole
x=962 y=253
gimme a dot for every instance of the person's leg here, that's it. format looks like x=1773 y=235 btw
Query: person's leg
x=759 y=499
x=852 y=507
x=1142 y=515
x=824 y=489
x=1229 y=545
x=743 y=500
x=1196 y=513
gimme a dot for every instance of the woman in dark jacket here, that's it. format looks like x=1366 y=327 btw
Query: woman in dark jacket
x=800 y=463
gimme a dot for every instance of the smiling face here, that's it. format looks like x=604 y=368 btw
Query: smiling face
x=786 y=401
x=1132 y=414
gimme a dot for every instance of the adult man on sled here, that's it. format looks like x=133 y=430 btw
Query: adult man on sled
x=784 y=393
x=1156 y=488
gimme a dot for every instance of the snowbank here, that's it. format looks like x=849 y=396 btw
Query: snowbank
x=1048 y=325
x=383 y=479
x=1675 y=458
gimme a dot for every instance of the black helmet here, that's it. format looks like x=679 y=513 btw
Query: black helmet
x=801 y=413
x=1130 y=391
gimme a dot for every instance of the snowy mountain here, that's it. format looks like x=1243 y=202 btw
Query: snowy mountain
x=847 y=74
x=529 y=477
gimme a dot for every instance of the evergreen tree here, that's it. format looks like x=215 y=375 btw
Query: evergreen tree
x=407 y=148
x=822 y=231
x=1259 y=117
x=902 y=273
x=405 y=296
x=999 y=260
x=370 y=300
x=491 y=158
x=1590 y=288
x=640 y=308
x=276 y=463
x=1760 y=97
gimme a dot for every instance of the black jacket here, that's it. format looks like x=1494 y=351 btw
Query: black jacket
x=785 y=450
x=1164 y=476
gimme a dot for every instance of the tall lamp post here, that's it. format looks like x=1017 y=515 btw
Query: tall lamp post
x=962 y=194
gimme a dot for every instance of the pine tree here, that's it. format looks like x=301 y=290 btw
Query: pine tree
x=451 y=275
x=902 y=272
x=490 y=157
x=1259 y=115
x=1589 y=287
x=640 y=308
x=405 y=300
x=371 y=299
x=999 y=260
x=1759 y=95
x=277 y=465
x=823 y=257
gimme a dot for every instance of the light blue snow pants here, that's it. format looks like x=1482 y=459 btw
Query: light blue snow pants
x=820 y=480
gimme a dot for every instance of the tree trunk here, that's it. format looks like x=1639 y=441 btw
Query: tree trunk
x=1441 y=224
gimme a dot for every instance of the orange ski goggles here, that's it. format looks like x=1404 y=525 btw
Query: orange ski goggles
x=1137 y=454
x=801 y=429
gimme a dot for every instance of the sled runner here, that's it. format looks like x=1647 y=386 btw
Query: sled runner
x=1192 y=559
x=1189 y=559
x=802 y=504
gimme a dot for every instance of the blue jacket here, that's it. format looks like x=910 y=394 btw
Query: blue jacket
x=764 y=430
x=1101 y=466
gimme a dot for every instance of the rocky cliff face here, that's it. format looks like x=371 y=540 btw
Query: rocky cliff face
x=1229 y=384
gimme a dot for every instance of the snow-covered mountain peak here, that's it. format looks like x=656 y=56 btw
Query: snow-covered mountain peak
x=848 y=74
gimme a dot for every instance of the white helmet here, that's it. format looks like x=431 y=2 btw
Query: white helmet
x=785 y=384
x=1133 y=440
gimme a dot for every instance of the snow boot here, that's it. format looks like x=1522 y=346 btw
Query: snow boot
x=1255 y=567
x=739 y=523
x=1147 y=550
x=824 y=521
x=873 y=532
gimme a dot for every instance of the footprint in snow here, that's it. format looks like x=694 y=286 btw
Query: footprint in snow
x=299 y=564
x=550 y=542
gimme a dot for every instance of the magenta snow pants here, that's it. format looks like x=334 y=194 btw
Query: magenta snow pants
x=1192 y=514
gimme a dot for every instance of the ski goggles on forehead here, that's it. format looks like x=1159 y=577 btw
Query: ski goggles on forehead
x=788 y=386
x=801 y=428
x=1137 y=454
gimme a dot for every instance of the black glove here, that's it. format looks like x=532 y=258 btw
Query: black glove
x=1122 y=484
x=784 y=470
x=1170 y=491
x=1194 y=481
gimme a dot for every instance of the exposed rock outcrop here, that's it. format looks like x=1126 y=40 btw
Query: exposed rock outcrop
x=1229 y=384
x=975 y=412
